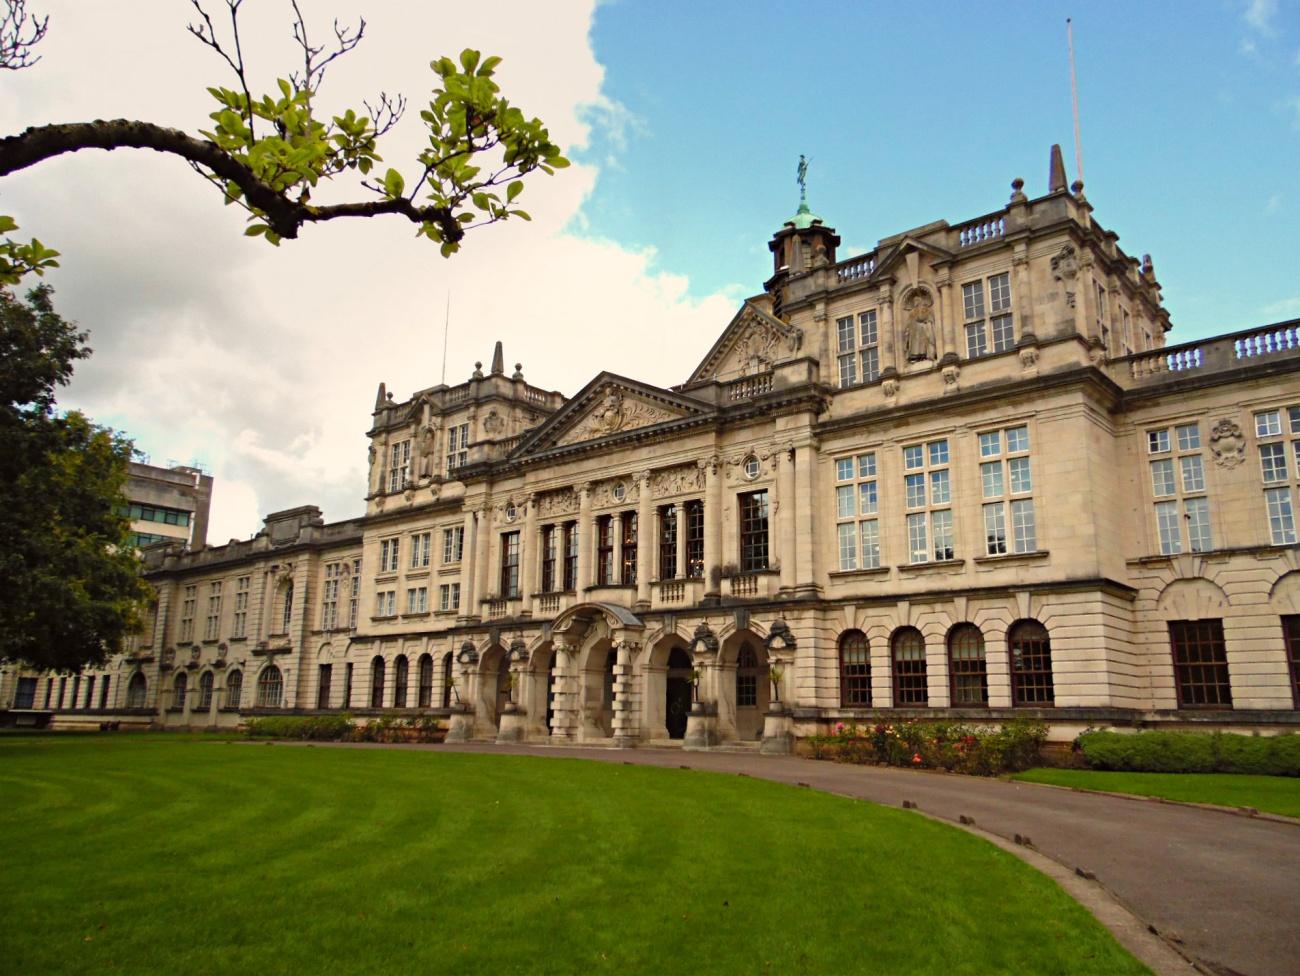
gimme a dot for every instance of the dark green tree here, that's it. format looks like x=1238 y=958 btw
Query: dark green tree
x=72 y=589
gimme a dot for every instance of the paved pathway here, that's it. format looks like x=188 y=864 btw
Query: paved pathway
x=1225 y=889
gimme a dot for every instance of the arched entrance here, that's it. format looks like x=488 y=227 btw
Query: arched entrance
x=744 y=689
x=494 y=685
x=677 y=696
x=598 y=690
x=540 y=685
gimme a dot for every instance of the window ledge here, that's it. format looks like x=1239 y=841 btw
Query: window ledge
x=939 y=565
x=447 y=613
x=240 y=639
x=415 y=613
x=419 y=572
x=858 y=573
x=278 y=633
x=386 y=616
x=1013 y=557
x=212 y=640
x=386 y=577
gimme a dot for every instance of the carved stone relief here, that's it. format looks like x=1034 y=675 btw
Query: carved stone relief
x=1065 y=268
x=677 y=481
x=493 y=423
x=564 y=502
x=616 y=412
x=611 y=494
x=1227 y=443
x=759 y=346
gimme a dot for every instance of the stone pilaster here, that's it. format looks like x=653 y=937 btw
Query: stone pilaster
x=647 y=540
x=712 y=525
x=586 y=538
x=627 y=698
x=530 y=554
x=564 y=710
x=783 y=458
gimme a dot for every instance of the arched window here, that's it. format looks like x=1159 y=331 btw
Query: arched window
x=288 y=607
x=907 y=648
x=234 y=688
x=205 y=691
x=426 y=681
x=446 y=680
x=1031 y=664
x=966 y=665
x=270 y=685
x=401 y=670
x=855 y=670
x=377 y=682
x=180 y=686
x=746 y=677
x=137 y=691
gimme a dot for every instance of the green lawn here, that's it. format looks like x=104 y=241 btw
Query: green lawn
x=1274 y=794
x=153 y=854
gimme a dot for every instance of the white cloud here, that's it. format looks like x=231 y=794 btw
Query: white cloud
x=1290 y=106
x=1247 y=47
x=1273 y=204
x=1259 y=15
x=1284 y=309
x=263 y=362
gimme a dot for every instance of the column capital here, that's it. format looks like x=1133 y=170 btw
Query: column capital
x=583 y=488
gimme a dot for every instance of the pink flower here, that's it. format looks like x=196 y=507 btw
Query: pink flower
x=839 y=728
x=916 y=759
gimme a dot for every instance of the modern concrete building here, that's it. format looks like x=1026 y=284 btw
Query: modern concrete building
x=168 y=504
x=959 y=476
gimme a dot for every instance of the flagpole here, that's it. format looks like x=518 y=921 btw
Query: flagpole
x=1074 y=100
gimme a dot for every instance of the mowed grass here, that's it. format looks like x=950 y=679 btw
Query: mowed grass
x=1273 y=794
x=145 y=854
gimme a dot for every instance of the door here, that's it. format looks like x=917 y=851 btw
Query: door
x=678 y=693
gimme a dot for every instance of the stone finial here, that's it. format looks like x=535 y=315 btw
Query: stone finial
x=1018 y=191
x=1056 y=170
x=478 y=371
x=498 y=360
x=1148 y=268
x=519 y=372
x=381 y=397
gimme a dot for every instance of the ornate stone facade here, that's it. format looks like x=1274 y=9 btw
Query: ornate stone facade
x=960 y=476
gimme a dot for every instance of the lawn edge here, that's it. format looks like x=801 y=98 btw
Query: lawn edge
x=1250 y=813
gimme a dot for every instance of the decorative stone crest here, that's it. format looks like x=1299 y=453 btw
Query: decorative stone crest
x=1227 y=444
x=616 y=492
x=780 y=633
x=1065 y=268
x=951 y=372
x=705 y=640
x=563 y=502
x=616 y=412
x=677 y=481
x=918 y=332
x=519 y=651
x=493 y=423
x=760 y=344
x=468 y=653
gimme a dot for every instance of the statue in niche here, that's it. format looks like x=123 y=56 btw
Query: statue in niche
x=1065 y=268
x=918 y=333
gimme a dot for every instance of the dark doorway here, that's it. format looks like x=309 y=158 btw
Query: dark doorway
x=323 y=692
x=503 y=686
x=678 y=701
x=550 y=692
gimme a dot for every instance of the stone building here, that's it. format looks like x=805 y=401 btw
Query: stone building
x=960 y=476
x=168 y=504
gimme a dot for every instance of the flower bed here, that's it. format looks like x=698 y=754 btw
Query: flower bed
x=981 y=750
x=342 y=728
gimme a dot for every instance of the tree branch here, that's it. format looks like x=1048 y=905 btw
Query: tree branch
x=283 y=215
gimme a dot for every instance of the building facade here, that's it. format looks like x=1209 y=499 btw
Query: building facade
x=962 y=476
x=168 y=504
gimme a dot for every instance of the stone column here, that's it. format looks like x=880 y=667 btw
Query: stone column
x=679 y=571
x=514 y=717
x=564 y=717
x=482 y=542
x=948 y=316
x=702 y=722
x=1022 y=292
x=805 y=521
x=626 y=697
x=647 y=540
x=586 y=538
x=530 y=554
x=712 y=525
x=467 y=593
x=888 y=357
x=783 y=457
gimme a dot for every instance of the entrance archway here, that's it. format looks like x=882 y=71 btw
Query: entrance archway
x=540 y=703
x=598 y=690
x=677 y=695
x=744 y=689
x=494 y=685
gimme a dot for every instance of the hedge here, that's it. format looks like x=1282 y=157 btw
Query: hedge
x=320 y=728
x=1192 y=752
x=976 y=749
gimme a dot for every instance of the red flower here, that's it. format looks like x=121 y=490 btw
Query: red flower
x=916 y=759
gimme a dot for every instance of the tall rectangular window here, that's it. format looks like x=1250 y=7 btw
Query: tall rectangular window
x=1276 y=471
x=550 y=552
x=846 y=345
x=868 y=346
x=627 y=573
x=329 y=599
x=510 y=565
x=212 y=630
x=417 y=599
x=605 y=550
x=386 y=603
x=1291 y=637
x=1178 y=489
x=389 y=550
x=694 y=511
x=354 y=594
x=457 y=447
x=857 y=348
x=449 y=596
x=421 y=543
x=399 y=466
x=667 y=542
x=1006 y=483
x=240 y=624
x=753 y=531
x=928 y=488
x=570 y=556
x=856 y=508
x=187 y=614
x=1200 y=664
x=989 y=325
x=453 y=544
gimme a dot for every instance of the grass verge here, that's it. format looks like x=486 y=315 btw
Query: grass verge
x=136 y=854
x=1273 y=794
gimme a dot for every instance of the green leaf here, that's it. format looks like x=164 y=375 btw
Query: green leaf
x=7 y=224
x=393 y=183
x=514 y=189
x=469 y=59
x=255 y=230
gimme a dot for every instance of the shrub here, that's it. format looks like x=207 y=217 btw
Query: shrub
x=978 y=750
x=1192 y=752
x=318 y=728
x=388 y=728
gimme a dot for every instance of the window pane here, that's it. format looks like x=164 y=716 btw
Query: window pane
x=913 y=457
x=848 y=546
x=991 y=478
x=972 y=298
x=1018 y=469
x=1002 y=333
x=1017 y=439
x=915 y=490
x=867 y=328
x=1200 y=663
x=844 y=333
x=1024 y=534
x=848 y=370
x=1157 y=441
x=1272 y=460
x=1162 y=478
x=870 y=544
x=976 y=340
x=1189 y=437
x=940 y=489
x=1280 y=520
x=938 y=452
x=1167 y=526
x=844 y=502
x=1268 y=423
x=1197 y=511
x=917 y=541
x=1000 y=292
x=867 y=498
x=844 y=469
x=991 y=444
x=870 y=365
x=941 y=526
x=866 y=465
x=995 y=530
x=1193 y=473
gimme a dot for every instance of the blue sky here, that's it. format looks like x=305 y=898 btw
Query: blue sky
x=1190 y=118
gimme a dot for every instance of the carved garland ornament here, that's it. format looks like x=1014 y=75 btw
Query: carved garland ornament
x=677 y=481
x=615 y=413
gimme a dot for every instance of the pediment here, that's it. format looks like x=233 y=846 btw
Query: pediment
x=753 y=342
x=606 y=406
x=909 y=246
